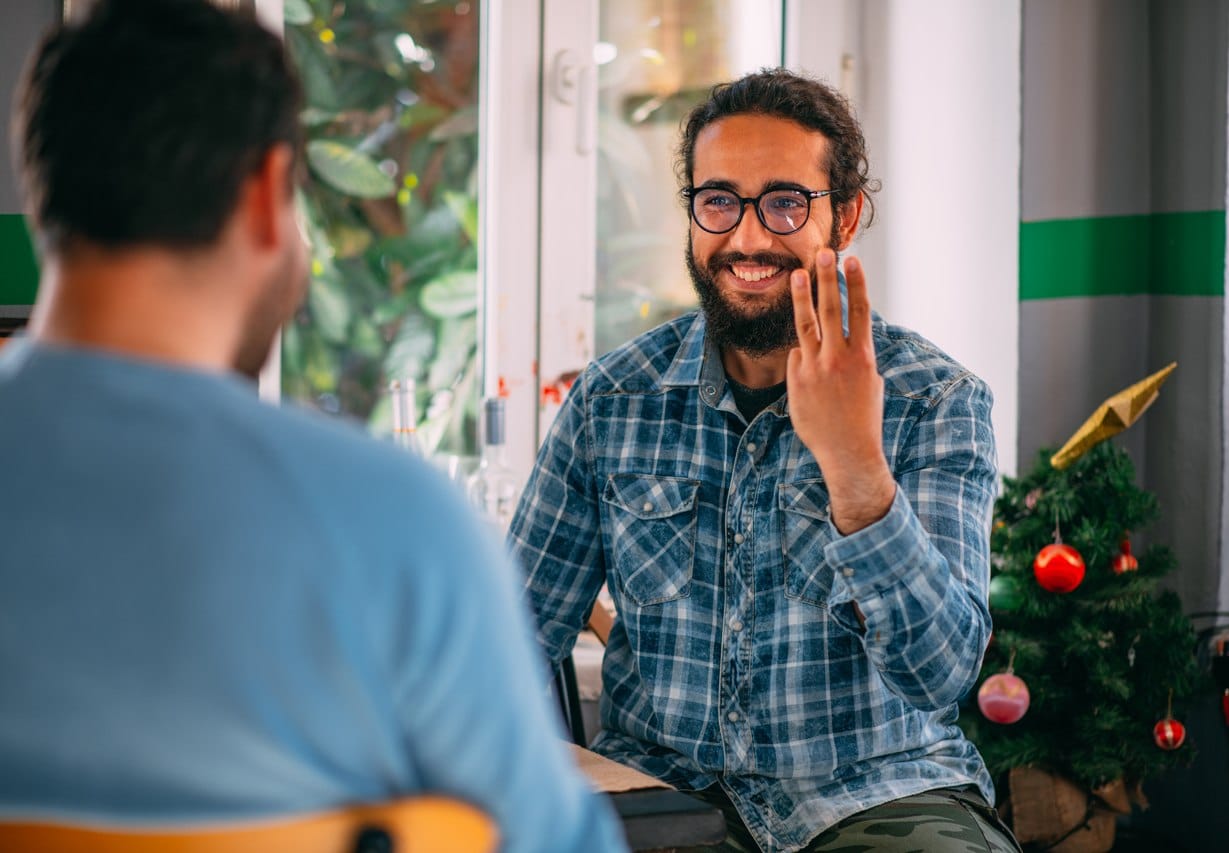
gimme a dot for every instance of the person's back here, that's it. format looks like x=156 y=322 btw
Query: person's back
x=213 y=609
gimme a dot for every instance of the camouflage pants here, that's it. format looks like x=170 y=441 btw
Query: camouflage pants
x=948 y=820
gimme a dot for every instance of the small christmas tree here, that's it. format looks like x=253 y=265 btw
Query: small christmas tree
x=1085 y=648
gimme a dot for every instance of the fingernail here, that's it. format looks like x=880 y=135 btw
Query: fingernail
x=826 y=257
x=798 y=278
x=852 y=265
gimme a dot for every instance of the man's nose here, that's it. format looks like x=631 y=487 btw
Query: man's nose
x=750 y=235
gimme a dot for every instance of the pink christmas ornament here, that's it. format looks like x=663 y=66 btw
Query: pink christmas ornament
x=1003 y=698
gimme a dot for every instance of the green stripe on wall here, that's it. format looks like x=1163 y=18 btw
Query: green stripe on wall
x=1169 y=254
x=18 y=270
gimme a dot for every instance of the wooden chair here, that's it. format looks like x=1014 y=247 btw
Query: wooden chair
x=411 y=825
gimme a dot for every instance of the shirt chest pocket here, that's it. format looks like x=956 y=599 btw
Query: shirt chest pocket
x=652 y=524
x=806 y=530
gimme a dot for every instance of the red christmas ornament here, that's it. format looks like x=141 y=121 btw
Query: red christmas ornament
x=1124 y=561
x=1169 y=733
x=1003 y=698
x=1058 y=568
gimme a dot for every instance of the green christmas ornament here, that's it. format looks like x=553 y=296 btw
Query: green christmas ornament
x=1005 y=594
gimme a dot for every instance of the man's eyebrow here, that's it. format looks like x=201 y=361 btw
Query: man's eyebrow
x=718 y=185
x=767 y=186
x=784 y=185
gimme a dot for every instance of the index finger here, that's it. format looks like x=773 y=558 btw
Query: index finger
x=805 y=322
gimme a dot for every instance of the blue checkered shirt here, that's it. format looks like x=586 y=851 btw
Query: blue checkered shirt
x=737 y=657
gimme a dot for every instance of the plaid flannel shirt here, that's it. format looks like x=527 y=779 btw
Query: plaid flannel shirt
x=737 y=657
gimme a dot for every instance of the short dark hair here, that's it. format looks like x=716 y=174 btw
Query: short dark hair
x=140 y=124
x=811 y=103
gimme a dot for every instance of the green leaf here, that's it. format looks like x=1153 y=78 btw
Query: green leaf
x=392 y=307
x=411 y=348
x=365 y=339
x=330 y=308
x=348 y=170
x=465 y=209
x=452 y=295
x=464 y=122
x=348 y=241
x=314 y=117
x=320 y=365
x=296 y=12
x=292 y=350
x=318 y=84
x=458 y=339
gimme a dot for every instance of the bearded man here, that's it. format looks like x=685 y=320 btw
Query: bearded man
x=789 y=500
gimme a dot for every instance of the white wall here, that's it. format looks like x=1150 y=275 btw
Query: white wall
x=937 y=87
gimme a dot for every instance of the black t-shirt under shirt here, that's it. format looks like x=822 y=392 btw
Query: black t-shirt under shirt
x=752 y=401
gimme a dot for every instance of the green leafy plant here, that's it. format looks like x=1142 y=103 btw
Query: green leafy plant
x=389 y=203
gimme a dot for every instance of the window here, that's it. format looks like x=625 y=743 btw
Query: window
x=391 y=209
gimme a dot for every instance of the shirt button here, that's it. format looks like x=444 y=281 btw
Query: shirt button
x=710 y=390
x=751 y=447
x=736 y=625
x=739 y=539
x=732 y=716
x=847 y=572
x=647 y=506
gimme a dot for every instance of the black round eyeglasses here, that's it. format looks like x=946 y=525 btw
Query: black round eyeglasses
x=781 y=211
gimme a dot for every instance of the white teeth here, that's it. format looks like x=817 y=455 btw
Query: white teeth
x=755 y=275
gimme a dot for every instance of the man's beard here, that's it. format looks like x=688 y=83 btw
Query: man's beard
x=753 y=329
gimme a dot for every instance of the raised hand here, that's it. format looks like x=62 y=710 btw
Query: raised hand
x=836 y=393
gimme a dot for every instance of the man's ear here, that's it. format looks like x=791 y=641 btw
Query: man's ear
x=850 y=217
x=264 y=198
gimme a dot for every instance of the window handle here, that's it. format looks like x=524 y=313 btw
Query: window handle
x=574 y=83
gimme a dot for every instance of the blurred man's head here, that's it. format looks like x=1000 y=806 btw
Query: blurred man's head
x=147 y=126
x=794 y=144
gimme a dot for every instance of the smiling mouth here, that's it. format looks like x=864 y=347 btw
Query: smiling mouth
x=753 y=274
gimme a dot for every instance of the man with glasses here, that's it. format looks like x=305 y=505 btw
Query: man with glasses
x=789 y=500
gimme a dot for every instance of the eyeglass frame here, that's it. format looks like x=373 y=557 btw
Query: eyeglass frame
x=690 y=193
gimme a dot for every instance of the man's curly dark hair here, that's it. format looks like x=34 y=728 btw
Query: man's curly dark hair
x=815 y=105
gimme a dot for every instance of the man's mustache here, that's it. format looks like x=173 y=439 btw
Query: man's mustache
x=720 y=261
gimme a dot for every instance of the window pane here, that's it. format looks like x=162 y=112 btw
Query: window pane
x=390 y=206
x=657 y=59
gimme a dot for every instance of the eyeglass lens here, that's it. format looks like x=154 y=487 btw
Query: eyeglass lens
x=781 y=211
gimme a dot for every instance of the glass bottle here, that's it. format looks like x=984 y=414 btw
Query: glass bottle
x=403 y=400
x=493 y=488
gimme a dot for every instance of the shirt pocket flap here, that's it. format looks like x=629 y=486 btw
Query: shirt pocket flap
x=804 y=498
x=648 y=497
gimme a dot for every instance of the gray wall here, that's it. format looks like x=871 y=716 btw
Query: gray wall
x=1124 y=114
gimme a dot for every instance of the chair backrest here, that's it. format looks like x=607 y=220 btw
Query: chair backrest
x=410 y=825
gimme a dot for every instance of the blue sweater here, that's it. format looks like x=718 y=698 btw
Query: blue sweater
x=212 y=608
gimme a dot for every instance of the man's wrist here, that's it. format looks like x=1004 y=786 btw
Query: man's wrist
x=861 y=505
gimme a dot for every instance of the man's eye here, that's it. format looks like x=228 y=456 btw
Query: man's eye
x=718 y=201
x=785 y=203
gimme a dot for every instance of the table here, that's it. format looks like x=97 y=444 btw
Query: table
x=654 y=815
x=656 y=819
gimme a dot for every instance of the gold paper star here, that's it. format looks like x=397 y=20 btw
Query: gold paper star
x=1112 y=417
